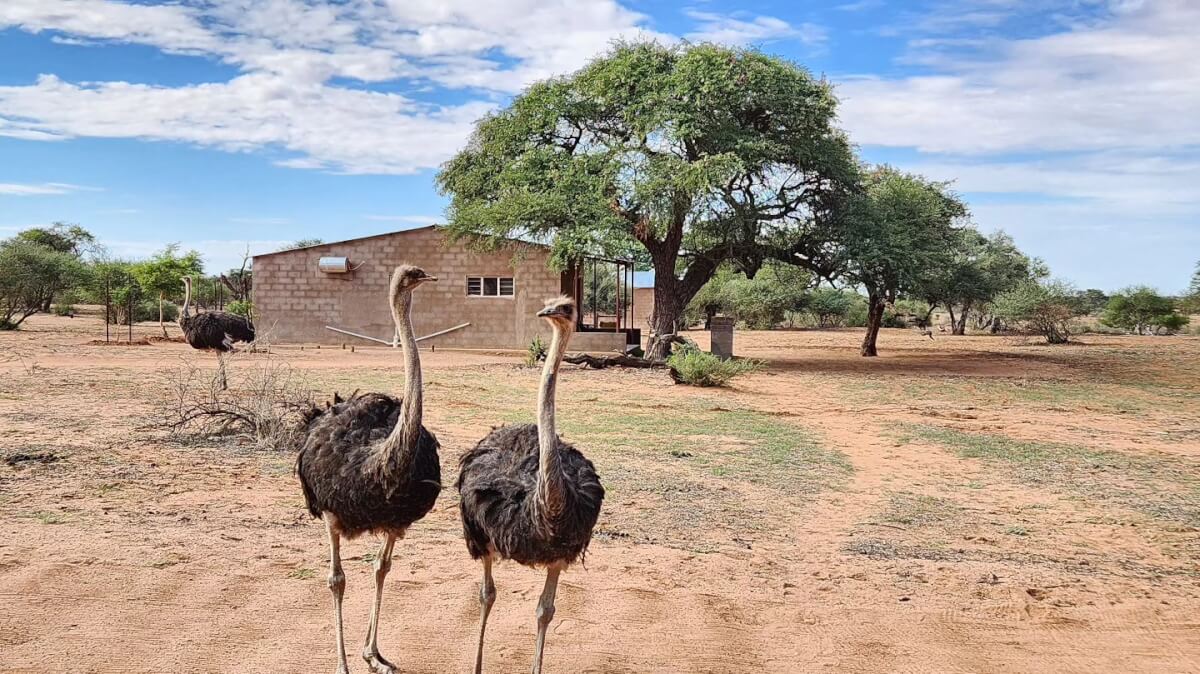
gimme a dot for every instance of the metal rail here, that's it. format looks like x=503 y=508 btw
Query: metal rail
x=392 y=342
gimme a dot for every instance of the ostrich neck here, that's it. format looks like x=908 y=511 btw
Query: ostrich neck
x=549 y=479
x=404 y=436
x=187 y=299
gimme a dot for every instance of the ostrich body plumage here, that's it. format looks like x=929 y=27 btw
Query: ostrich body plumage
x=497 y=484
x=342 y=471
x=216 y=330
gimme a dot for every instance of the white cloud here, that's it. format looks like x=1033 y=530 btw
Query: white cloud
x=1117 y=183
x=736 y=30
x=40 y=189
x=290 y=53
x=341 y=129
x=1131 y=81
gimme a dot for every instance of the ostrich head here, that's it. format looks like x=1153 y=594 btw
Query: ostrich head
x=408 y=277
x=559 y=310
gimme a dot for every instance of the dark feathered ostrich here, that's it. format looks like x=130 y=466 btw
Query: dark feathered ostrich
x=213 y=330
x=368 y=465
x=528 y=496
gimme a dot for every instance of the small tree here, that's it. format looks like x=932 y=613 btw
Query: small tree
x=163 y=274
x=1191 y=301
x=900 y=226
x=1092 y=300
x=979 y=269
x=32 y=276
x=1045 y=307
x=1141 y=310
x=830 y=307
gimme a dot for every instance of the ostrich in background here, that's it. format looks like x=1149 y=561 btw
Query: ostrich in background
x=528 y=496
x=213 y=330
x=367 y=464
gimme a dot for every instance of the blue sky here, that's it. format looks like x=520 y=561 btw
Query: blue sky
x=1072 y=124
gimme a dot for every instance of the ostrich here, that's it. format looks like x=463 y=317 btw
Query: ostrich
x=528 y=496
x=215 y=330
x=368 y=465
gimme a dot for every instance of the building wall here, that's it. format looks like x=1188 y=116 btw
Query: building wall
x=294 y=301
x=643 y=306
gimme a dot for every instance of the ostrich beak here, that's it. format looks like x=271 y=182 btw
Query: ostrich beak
x=551 y=312
x=427 y=277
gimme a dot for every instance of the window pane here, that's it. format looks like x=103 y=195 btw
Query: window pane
x=474 y=285
x=489 y=286
x=506 y=287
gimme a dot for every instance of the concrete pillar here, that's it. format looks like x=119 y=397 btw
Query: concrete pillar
x=721 y=333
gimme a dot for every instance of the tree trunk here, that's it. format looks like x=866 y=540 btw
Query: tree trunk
x=875 y=307
x=162 y=297
x=960 y=327
x=668 y=307
x=928 y=316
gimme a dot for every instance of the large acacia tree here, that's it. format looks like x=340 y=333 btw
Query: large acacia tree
x=891 y=234
x=684 y=156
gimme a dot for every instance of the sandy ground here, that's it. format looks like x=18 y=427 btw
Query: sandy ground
x=973 y=504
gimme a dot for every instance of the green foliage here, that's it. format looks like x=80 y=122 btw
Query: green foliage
x=61 y=237
x=694 y=367
x=241 y=308
x=34 y=275
x=978 y=269
x=163 y=275
x=684 y=155
x=300 y=243
x=833 y=308
x=760 y=303
x=899 y=227
x=1091 y=301
x=535 y=352
x=62 y=309
x=905 y=313
x=1045 y=307
x=1141 y=310
x=164 y=272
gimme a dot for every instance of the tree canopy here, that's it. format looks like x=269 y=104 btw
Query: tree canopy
x=33 y=275
x=1046 y=307
x=1142 y=310
x=61 y=237
x=685 y=156
x=163 y=274
x=891 y=233
x=978 y=269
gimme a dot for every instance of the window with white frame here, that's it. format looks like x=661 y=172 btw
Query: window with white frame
x=490 y=286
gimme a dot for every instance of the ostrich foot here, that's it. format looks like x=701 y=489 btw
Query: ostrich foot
x=378 y=664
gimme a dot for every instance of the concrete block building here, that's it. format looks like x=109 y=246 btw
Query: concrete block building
x=298 y=294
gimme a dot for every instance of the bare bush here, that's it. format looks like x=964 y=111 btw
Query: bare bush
x=266 y=399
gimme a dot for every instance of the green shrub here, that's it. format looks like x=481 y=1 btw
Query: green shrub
x=241 y=308
x=694 y=367
x=535 y=352
x=7 y=325
x=63 y=309
x=143 y=310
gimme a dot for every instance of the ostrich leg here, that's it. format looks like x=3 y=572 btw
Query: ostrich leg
x=383 y=564
x=221 y=371
x=337 y=585
x=545 y=613
x=487 y=597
